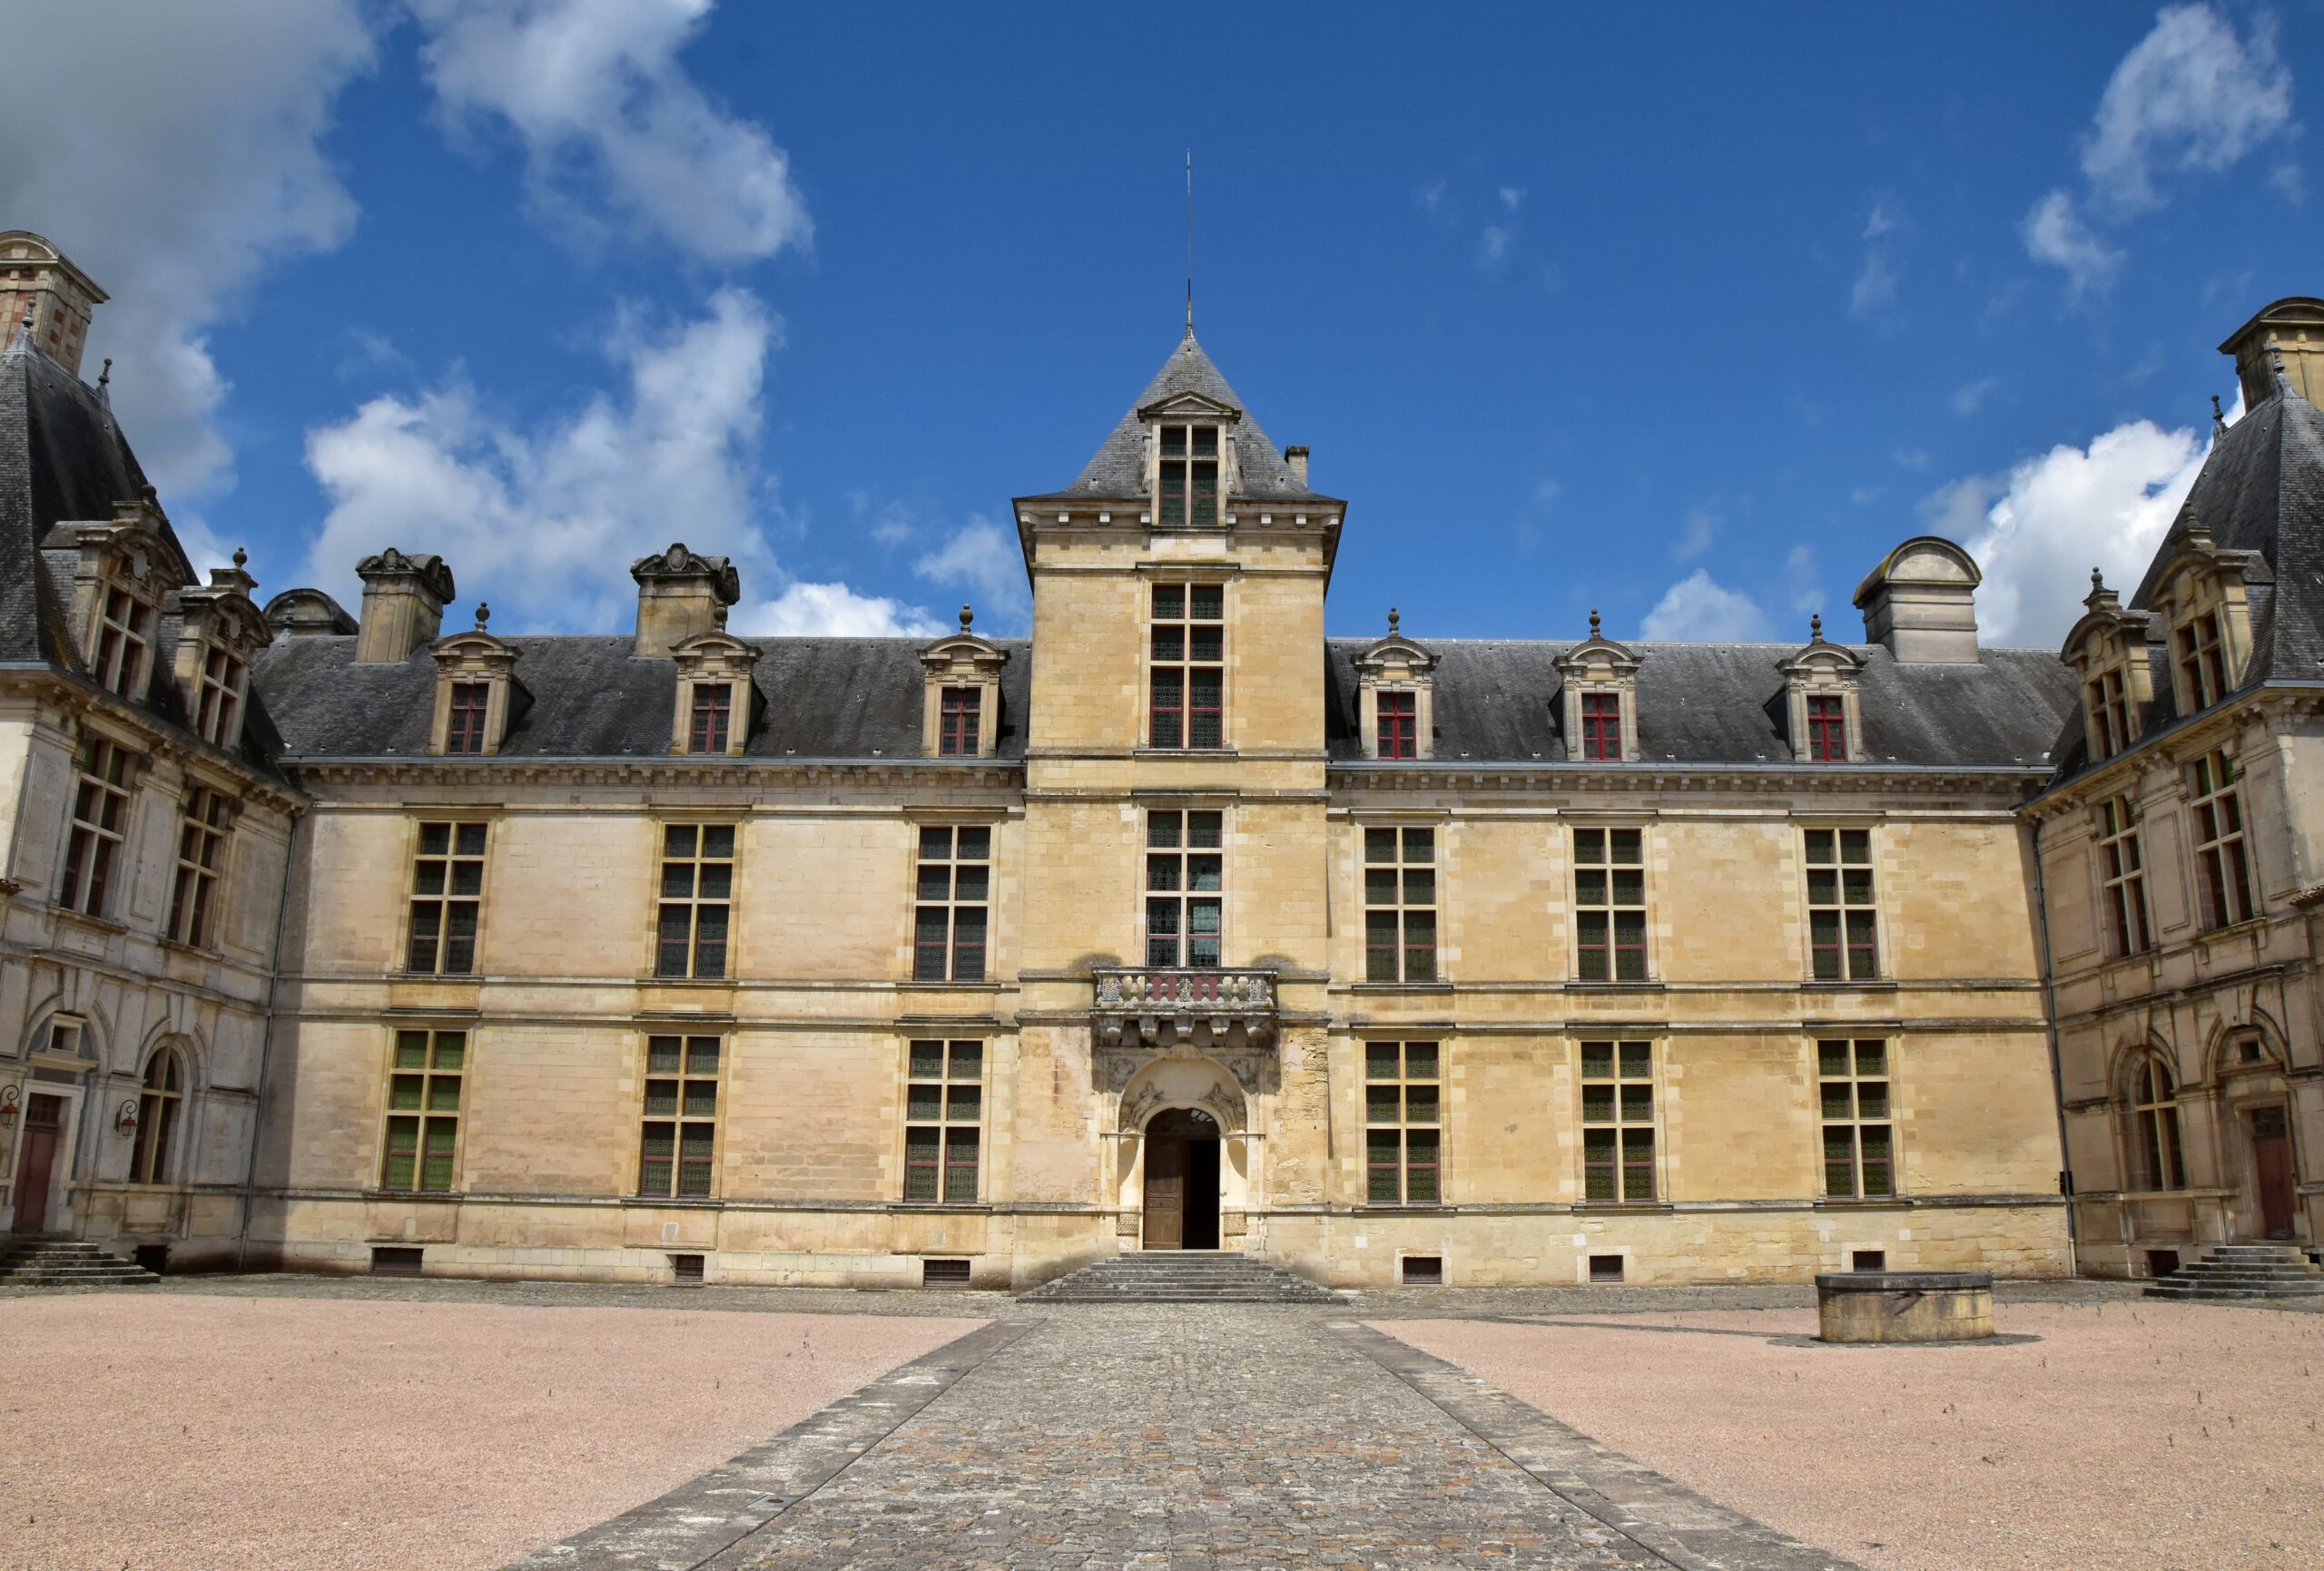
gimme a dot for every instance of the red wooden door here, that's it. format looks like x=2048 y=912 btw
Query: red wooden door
x=2271 y=1155
x=36 y=1161
x=1165 y=1192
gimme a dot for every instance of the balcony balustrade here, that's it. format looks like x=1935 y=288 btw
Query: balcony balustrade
x=1159 y=1005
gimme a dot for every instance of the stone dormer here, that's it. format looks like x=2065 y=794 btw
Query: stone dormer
x=308 y=614
x=716 y=701
x=1396 y=677
x=2197 y=590
x=681 y=595
x=1921 y=601
x=127 y=566
x=1822 y=706
x=220 y=632
x=961 y=696
x=1599 y=690
x=37 y=280
x=403 y=605
x=2107 y=649
x=1190 y=459
x=478 y=695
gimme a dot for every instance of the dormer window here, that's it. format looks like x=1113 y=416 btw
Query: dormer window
x=220 y=701
x=2203 y=666
x=2108 y=649
x=1399 y=725
x=1187 y=477
x=1395 y=695
x=963 y=711
x=1600 y=680
x=2200 y=593
x=478 y=695
x=1602 y=726
x=1828 y=730
x=961 y=693
x=713 y=705
x=2110 y=714
x=471 y=703
x=711 y=715
x=1820 y=699
x=220 y=628
x=127 y=566
x=125 y=643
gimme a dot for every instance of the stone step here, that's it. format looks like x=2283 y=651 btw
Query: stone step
x=65 y=1262
x=1176 y=1277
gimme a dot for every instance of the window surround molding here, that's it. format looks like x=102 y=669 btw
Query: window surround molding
x=132 y=551
x=1822 y=669
x=2199 y=579
x=477 y=657
x=965 y=659
x=1599 y=666
x=1190 y=409
x=220 y=618
x=714 y=660
x=2111 y=641
x=1396 y=664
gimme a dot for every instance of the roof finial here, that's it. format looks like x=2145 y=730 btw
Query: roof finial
x=1190 y=242
x=1816 y=627
x=967 y=617
x=241 y=559
x=483 y=614
x=1391 y=621
x=2097 y=578
x=1593 y=621
x=2219 y=421
x=104 y=385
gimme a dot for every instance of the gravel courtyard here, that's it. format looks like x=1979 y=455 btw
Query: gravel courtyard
x=185 y=1431
x=2131 y=1435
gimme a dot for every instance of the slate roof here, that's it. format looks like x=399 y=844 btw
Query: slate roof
x=1118 y=468
x=818 y=698
x=1498 y=700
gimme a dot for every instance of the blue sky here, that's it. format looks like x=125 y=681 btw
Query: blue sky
x=1689 y=322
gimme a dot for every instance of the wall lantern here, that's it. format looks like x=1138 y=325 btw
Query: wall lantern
x=125 y=1120
x=8 y=1098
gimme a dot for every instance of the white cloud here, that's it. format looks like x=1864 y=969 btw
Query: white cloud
x=2038 y=530
x=833 y=610
x=1884 y=219
x=1431 y=197
x=2191 y=96
x=608 y=117
x=1696 y=533
x=1512 y=196
x=1493 y=246
x=1802 y=579
x=1699 y=607
x=1874 y=290
x=984 y=557
x=1970 y=398
x=2054 y=233
x=175 y=179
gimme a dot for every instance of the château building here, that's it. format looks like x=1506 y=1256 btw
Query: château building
x=344 y=942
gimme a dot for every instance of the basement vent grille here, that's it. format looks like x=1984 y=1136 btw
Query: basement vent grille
x=943 y=1273
x=1424 y=1271
x=1605 y=1268
x=686 y=1269
x=395 y=1260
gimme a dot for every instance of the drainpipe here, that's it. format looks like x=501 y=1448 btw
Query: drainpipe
x=2057 y=1070
x=266 y=1042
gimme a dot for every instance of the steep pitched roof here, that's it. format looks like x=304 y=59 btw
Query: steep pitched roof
x=1118 y=468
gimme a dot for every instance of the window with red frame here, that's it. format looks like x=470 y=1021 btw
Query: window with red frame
x=713 y=709
x=1828 y=731
x=465 y=733
x=1602 y=726
x=962 y=709
x=1189 y=671
x=1399 y=725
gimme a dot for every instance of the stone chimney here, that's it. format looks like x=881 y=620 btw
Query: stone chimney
x=2292 y=329
x=403 y=605
x=1922 y=603
x=1297 y=459
x=681 y=595
x=61 y=297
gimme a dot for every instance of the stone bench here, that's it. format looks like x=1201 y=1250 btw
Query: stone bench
x=1905 y=1306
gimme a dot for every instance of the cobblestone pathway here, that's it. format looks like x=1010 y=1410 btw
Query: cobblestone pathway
x=1187 y=1437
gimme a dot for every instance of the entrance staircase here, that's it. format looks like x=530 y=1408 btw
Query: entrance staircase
x=1182 y=1276
x=64 y=1263
x=2236 y=1272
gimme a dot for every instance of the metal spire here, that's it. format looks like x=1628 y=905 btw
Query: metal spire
x=2219 y=421
x=1190 y=242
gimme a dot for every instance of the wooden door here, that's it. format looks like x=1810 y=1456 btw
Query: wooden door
x=2271 y=1156
x=36 y=1161
x=1165 y=1192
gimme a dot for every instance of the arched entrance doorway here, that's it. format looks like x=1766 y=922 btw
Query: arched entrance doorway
x=1182 y=1180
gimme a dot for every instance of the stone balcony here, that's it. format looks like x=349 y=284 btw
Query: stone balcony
x=1160 y=1007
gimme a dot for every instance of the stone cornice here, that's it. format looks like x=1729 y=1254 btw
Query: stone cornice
x=687 y=771
x=77 y=695
x=1557 y=775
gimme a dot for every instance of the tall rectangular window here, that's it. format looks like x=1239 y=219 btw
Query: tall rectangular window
x=464 y=727
x=1618 y=1121
x=201 y=848
x=446 y=893
x=221 y=696
x=709 y=716
x=1403 y=1152
x=125 y=641
x=1842 y=929
x=697 y=896
x=943 y=1119
x=1828 y=729
x=100 y=819
x=1184 y=886
x=2203 y=663
x=1859 y=1155
x=1187 y=477
x=1602 y=726
x=960 y=711
x=1400 y=905
x=1399 y=724
x=1610 y=905
x=954 y=900
x=2123 y=872
x=679 y=1133
x=1188 y=674
x=2110 y=712
x=424 y=1110
x=2223 y=862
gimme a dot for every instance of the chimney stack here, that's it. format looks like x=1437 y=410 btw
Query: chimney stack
x=1922 y=603
x=35 y=272
x=2292 y=327
x=681 y=595
x=1297 y=459
x=403 y=605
